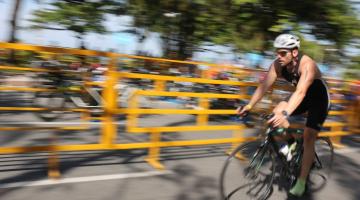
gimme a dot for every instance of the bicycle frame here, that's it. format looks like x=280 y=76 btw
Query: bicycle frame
x=270 y=143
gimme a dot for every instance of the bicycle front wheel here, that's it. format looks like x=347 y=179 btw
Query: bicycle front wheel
x=54 y=102
x=248 y=173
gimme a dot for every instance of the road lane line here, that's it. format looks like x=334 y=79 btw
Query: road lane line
x=347 y=150
x=84 y=179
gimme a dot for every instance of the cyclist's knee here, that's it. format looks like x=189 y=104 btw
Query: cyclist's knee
x=310 y=135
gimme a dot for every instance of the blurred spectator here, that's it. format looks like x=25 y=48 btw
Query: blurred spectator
x=254 y=59
x=191 y=68
x=3 y=55
x=75 y=65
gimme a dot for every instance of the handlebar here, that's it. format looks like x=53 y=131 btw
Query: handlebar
x=248 y=117
x=249 y=121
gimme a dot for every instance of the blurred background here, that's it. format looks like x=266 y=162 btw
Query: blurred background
x=71 y=71
x=233 y=32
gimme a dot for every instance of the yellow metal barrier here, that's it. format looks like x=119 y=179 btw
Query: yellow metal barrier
x=109 y=94
x=25 y=69
x=335 y=132
x=202 y=119
x=184 y=79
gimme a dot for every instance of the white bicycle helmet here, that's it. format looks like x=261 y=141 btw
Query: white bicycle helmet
x=286 y=41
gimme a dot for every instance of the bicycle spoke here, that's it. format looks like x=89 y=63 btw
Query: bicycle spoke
x=249 y=178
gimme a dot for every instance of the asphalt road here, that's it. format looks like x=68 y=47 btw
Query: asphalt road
x=192 y=173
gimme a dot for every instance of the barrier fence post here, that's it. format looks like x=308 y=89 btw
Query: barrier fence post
x=357 y=116
x=355 y=123
x=109 y=129
x=53 y=160
x=336 y=140
x=86 y=116
x=351 y=117
x=53 y=163
x=234 y=145
x=153 y=157
x=132 y=120
x=202 y=119
x=160 y=85
x=235 y=134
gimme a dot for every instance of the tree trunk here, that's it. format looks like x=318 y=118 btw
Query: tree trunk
x=82 y=46
x=13 y=21
x=13 y=30
x=80 y=37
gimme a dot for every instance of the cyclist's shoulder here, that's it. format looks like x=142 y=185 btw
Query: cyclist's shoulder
x=305 y=60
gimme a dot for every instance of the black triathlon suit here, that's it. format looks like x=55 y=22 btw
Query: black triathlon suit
x=316 y=101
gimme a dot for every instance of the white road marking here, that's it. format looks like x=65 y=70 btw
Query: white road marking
x=57 y=123
x=347 y=150
x=84 y=179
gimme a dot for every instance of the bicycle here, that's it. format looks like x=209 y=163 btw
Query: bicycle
x=253 y=167
x=65 y=85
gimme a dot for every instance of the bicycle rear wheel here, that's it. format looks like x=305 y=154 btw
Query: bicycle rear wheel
x=322 y=166
x=248 y=173
x=54 y=101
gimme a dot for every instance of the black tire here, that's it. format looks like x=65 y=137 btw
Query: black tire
x=321 y=169
x=249 y=178
x=54 y=101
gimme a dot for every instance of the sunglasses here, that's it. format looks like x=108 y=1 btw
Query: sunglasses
x=282 y=53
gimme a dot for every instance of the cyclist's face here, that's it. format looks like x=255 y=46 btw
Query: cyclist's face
x=284 y=56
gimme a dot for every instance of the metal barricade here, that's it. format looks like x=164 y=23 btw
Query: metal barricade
x=110 y=109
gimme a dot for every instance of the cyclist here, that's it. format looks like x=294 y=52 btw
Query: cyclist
x=311 y=96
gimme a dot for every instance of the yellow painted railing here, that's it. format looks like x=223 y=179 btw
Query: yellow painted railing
x=110 y=109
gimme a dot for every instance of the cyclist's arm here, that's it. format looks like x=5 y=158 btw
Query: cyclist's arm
x=307 y=77
x=264 y=86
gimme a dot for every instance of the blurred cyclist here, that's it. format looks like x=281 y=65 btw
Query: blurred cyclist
x=311 y=96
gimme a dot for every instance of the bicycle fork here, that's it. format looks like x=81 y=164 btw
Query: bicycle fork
x=255 y=166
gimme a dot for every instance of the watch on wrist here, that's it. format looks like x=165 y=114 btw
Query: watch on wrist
x=285 y=113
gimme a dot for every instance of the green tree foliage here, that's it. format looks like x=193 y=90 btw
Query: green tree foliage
x=175 y=20
x=80 y=17
x=353 y=70
x=245 y=24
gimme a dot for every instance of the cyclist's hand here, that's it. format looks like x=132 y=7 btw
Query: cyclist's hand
x=279 y=120
x=243 y=110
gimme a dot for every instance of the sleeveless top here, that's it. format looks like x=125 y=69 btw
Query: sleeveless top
x=317 y=90
x=294 y=77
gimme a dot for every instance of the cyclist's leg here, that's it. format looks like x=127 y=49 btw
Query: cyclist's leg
x=310 y=136
x=317 y=114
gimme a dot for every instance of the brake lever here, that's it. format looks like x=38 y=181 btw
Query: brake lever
x=246 y=119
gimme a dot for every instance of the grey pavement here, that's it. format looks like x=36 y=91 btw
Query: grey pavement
x=192 y=173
